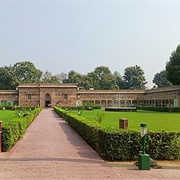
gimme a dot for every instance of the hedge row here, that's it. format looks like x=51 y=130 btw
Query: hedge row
x=84 y=127
x=125 y=145
x=13 y=130
x=159 y=109
x=84 y=106
x=122 y=144
x=17 y=108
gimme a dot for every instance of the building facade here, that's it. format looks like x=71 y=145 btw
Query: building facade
x=29 y=95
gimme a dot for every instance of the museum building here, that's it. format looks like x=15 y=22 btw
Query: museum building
x=63 y=94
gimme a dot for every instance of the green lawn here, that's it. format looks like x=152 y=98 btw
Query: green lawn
x=155 y=120
x=7 y=115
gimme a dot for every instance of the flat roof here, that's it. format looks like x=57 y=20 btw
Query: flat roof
x=110 y=91
x=46 y=85
x=9 y=92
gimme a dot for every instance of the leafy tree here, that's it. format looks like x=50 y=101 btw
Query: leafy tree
x=82 y=81
x=108 y=81
x=104 y=79
x=73 y=77
x=100 y=78
x=26 y=72
x=62 y=77
x=6 y=78
x=119 y=80
x=134 y=77
x=101 y=70
x=93 y=80
x=47 y=77
x=86 y=82
x=160 y=79
x=173 y=67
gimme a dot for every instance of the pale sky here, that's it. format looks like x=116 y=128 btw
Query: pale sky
x=81 y=35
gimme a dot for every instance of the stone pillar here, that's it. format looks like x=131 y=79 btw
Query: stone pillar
x=0 y=136
x=125 y=103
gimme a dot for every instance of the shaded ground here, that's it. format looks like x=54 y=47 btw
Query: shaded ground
x=175 y=164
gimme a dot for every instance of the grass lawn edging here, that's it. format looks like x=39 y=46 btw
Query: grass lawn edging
x=13 y=130
x=116 y=145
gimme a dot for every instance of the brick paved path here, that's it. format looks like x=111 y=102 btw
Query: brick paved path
x=50 y=149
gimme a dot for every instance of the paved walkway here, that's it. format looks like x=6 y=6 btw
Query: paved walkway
x=50 y=149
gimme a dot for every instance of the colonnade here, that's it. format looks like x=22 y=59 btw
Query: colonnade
x=159 y=102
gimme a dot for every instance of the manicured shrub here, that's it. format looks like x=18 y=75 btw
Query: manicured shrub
x=119 y=145
x=13 y=130
x=88 y=129
x=163 y=145
x=159 y=109
x=7 y=137
x=122 y=144
x=91 y=106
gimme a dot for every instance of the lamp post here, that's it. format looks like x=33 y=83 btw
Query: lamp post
x=143 y=158
x=143 y=131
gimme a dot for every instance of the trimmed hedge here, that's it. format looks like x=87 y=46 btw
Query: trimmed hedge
x=125 y=145
x=122 y=144
x=164 y=145
x=84 y=106
x=17 y=108
x=13 y=130
x=84 y=127
x=91 y=106
x=159 y=109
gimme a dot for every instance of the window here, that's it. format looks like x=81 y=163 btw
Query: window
x=29 y=96
x=65 y=96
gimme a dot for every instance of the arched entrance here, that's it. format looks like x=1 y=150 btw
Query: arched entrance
x=47 y=100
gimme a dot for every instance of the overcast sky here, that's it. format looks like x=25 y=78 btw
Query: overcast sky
x=60 y=36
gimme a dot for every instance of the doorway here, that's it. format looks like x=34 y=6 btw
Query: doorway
x=47 y=100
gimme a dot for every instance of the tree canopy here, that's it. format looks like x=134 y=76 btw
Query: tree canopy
x=47 y=77
x=160 y=79
x=21 y=72
x=26 y=72
x=173 y=67
x=104 y=79
x=99 y=79
x=7 y=80
x=134 y=78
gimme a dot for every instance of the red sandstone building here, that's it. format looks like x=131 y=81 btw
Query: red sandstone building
x=29 y=95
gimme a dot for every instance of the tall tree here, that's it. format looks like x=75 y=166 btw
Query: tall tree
x=7 y=78
x=119 y=80
x=108 y=82
x=74 y=77
x=86 y=82
x=62 y=77
x=47 y=77
x=101 y=70
x=160 y=79
x=93 y=80
x=173 y=67
x=100 y=78
x=103 y=78
x=26 y=72
x=134 y=77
